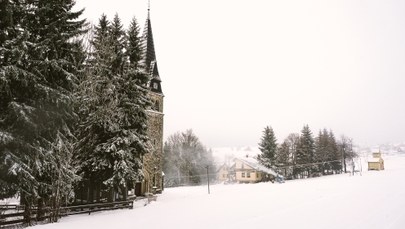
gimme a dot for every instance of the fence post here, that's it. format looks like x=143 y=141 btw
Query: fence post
x=208 y=179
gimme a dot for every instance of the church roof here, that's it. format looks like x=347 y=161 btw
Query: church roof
x=149 y=51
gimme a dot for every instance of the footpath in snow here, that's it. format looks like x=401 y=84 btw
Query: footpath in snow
x=375 y=200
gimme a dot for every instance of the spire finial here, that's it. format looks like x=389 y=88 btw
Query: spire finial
x=148 y=8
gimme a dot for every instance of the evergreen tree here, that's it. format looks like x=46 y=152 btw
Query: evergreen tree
x=12 y=41
x=113 y=121
x=321 y=151
x=117 y=36
x=268 y=148
x=305 y=150
x=334 y=154
x=283 y=158
x=38 y=69
x=134 y=45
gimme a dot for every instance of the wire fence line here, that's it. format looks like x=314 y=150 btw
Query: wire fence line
x=307 y=165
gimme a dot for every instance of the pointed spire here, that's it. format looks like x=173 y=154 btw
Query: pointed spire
x=150 y=56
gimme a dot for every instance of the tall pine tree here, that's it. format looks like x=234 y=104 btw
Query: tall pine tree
x=268 y=148
x=38 y=72
x=305 y=151
x=321 y=151
x=283 y=158
x=134 y=44
x=112 y=108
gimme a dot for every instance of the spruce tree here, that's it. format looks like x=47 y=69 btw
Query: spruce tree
x=305 y=151
x=321 y=151
x=268 y=148
x=11 y=42
x=134 y=45
x=39 y=69
x=95 y=107
x=117 y=36
x=283 y=157
x=112 y=108
x=333 y=152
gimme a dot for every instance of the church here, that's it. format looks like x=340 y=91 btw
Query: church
x=152 y=161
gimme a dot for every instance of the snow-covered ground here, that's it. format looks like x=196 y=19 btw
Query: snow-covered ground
x=375 y=200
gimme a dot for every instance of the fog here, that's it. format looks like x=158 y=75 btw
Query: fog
x=229 y=68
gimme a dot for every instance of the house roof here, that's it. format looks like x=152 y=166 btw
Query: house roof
x=374 y=160
x=257 y=166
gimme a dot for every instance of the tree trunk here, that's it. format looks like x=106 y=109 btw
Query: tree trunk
x=40 y=209
x=124 y=193
x=90 y=197
x=98 y=192
x=111 y=196
x=27 y=209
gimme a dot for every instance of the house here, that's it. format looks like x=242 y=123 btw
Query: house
x=376 y=162
x=247 y=170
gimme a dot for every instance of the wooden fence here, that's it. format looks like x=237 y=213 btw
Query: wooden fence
x=14 y=214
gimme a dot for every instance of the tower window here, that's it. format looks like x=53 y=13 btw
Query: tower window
x=155 y=86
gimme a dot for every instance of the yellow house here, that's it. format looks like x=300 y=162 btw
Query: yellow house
x=376 y=163
x=248 y=170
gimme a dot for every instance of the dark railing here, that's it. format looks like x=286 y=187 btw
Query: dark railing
x=18 y=217
x=89 y=208
x=14 y=214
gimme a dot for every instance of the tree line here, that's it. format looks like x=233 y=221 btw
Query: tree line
x=303 y=155
x=73 y=101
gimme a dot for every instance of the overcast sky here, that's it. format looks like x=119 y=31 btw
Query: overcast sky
x=231 y=67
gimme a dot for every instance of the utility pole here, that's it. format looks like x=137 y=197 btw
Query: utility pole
x=208 y=179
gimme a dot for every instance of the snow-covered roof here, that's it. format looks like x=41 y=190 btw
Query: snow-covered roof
x=374 y=159
x=252 y=162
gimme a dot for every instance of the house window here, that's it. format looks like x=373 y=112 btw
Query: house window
x=248 y=175
x=243 y=174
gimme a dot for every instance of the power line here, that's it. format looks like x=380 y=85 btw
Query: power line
x=302 y=165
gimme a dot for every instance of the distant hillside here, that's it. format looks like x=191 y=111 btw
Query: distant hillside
x=389 y=149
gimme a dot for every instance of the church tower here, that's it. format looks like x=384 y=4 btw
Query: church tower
x=153 y=161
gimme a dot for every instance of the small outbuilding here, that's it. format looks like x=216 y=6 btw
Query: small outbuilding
x=376 y=163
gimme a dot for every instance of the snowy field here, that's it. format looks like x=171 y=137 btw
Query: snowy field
x=375 y=200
